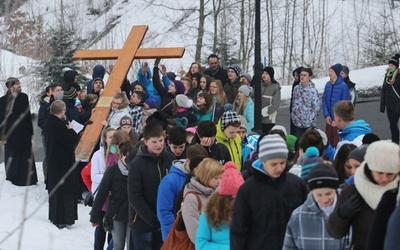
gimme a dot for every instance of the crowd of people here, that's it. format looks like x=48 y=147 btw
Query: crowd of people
x=188 y=149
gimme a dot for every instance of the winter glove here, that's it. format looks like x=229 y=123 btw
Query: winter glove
x=350 y=207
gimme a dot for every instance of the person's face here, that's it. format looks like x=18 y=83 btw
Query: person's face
x=392 y=67
x=138 y=88
x=242 y=132
x=155 y=145
x=200 y=101
x=213 y=88
x=244 y=80
x=98 y=85
x=177 y=150
x=116 y=103
x=126 y=128
x=195 y=82
x=171 y=88
x=265 y=76
x=343 y=74
x=240 y=95
x=82 y=95
x=324 y=196
x=56 y=92
x=187 y=86
x=331 y=74
x=214 y=182
x=296 y=77
x=109 y=137
x=203 y=83
x=231 y=74
x=382 y=178
x=16 y=88
x=351 y=166
x=274 y=167
x=134 y=99
x=305 y=78
x=194 y=68
x=231 y=131
x=213 y=62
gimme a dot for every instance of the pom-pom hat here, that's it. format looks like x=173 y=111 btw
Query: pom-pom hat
x=231 y=180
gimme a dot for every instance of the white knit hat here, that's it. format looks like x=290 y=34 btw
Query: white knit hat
x=272 y=147
x=183 y=101
x=383 y=156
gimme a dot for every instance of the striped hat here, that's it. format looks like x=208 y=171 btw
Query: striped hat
x=272 y=147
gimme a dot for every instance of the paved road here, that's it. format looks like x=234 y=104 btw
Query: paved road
x=369 y=111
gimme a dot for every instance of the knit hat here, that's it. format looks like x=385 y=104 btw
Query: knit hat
x=291 y=142
x=229 y=117
x=346 y=70
x=246 y=90
x=280 y=127
x=159 y=118
x=183 y=101
x=370 y=138
x=358 y=153
x=171 y=76
x=383 y=156
x=231 y=180
x=181 y=122
x=243 y=122
x=337 y=68
x=197 y=76
x=272 y=147
x=180 y=88
x=323 y=176
x=235 y=68
x=11 y=81
x=98 y=79
x=125 y=120
x=270 y=71
x=191 y=130
x=247 y=76
x=395 y=60
x=70 y=93
x=297 y=71
x=151 y=102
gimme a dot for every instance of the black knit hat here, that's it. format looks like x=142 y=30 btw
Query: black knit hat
x=270 y=71
x=323 y=176
x=358 y=153
x=395 y=60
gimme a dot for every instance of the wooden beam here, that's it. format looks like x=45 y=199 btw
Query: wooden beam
x=142 y=53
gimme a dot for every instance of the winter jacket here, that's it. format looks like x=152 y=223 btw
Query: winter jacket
x=392 y=239
x=147 y=81
x=353 y=133
x=306 y=229
x=332 y=94
x=352 y=89
x=234 y=145
x=370 y=195
x=168 y=190
x=98 y=72
x=115 y=116
x=115 y=186
x=306 y=106
x=262 y=209
x=190 y=207
x=209 y=238
x=389 y=99
x=306 y=162
x=270 y=102
x=217 y=151
x=248 y=114
x=98 y=168
x=231 y=89
x=166 y=97
x=220 y=74
x=44 y=112
x=145 y=174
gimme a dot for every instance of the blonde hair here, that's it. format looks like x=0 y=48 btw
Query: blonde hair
x=239 y=104
x=220 y=92
x=207 y=170
x=124 y=98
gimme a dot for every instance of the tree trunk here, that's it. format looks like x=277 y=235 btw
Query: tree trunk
x=199 y=43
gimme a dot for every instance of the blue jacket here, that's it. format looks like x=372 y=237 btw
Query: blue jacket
x=353 y=133
x=248 y=114
x=168 y=190
x=306 y=229
x=147 y=81
x=332 y=94
x=208 y=238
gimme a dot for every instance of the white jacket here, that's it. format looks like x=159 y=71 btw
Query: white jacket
x=98 y=168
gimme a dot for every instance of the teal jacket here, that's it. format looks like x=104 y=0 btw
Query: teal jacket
x=208 y=238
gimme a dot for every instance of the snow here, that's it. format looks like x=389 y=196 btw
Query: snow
x=37 y=232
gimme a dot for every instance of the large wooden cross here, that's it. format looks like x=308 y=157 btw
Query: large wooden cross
x=124 y=57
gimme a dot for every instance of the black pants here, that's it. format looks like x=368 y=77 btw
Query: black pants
x=394 y=128
x=266 y=127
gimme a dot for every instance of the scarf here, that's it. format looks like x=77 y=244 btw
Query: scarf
x=122 y=168
x=391 y=76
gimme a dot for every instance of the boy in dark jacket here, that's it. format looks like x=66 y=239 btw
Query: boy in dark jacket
x=265 y=202
x=150 y=164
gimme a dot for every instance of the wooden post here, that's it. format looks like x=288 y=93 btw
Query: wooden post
x=124 y=57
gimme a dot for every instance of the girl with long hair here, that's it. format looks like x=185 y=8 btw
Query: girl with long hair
x=244 y=105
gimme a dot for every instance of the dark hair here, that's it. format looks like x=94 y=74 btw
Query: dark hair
x=125 y=148
x=152 y=129
x=311 y=138
x=212 y=56
x=340 y=160
x=177 y=135
x=206 y=129
x=141 y=96
x=195 y=151
x=54 y=86
x=195 y=161
x=208 y=82
x=203 y=109
x=308 y=70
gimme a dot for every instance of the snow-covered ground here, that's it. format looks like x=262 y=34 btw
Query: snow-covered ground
x=24 y=219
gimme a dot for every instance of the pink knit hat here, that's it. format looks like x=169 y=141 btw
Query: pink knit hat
x=231 y=180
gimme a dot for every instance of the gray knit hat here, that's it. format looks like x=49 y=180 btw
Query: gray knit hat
x=272 y=147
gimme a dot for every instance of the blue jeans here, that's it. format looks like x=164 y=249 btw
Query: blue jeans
x=146 y=240
x=120 y=232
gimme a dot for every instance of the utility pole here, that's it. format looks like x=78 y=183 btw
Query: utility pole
x=257 y=71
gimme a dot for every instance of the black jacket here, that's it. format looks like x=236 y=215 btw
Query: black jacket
x=263 y=207
x=221 y=74
x=217 y=151
x=389 y=99
x=166 y=98
x=145 y=174
x=231 y=89
x=116 y=184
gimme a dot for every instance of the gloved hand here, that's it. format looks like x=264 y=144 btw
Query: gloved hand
x=350 y=207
